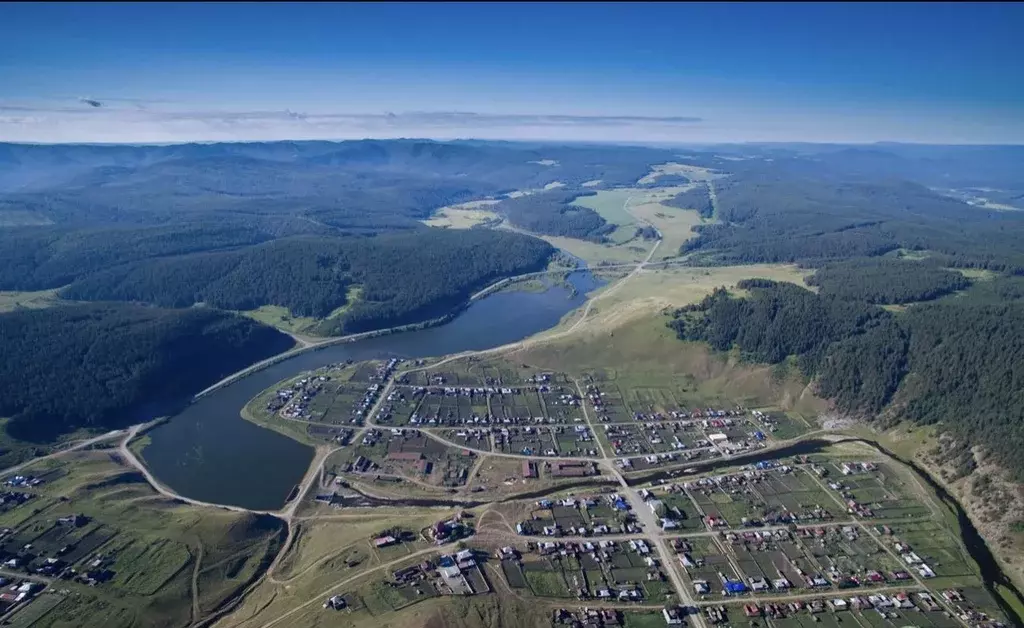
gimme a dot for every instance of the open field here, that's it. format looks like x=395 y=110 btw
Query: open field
x=282 y=318
x=149 y=555
x=463 y=215
x=10 y=301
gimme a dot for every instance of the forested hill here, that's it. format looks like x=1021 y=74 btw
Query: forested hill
x=553 y=213
x=404 y=277
x=885 y=280
x=110 y=365
x=957 y=362
x=768 y=213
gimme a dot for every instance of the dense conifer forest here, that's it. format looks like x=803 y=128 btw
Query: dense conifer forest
x=698 y=197
x=886 y=280
x=403 y=277
x=955 y=362
x=104 y=365
x=552 y=213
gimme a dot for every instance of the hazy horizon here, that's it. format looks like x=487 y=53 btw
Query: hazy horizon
x=603 y=73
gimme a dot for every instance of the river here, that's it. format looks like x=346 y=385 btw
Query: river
x=210 y=453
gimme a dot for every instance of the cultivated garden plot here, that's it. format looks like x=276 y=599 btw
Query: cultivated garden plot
x=703 y=564
x=928 y=547
x=682 y=510
x=521 y=407
x=470 y=437
x=436 y=409
x=604 y=400
x=867 y=618
x=592 y=515
x=545 y=441
x=778 y=496
x=846 y=555
x=878 y=488
x=603 y=570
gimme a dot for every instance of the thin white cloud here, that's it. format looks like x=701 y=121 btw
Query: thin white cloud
x=141 y=121
x=100 y=121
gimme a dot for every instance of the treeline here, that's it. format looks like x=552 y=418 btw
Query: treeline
x=109 y=365
x=775 y=216
x=40 y=258
x=552 y=213
x=886 y=280
x=957 y=363
x=404 y=277
x=698 y=198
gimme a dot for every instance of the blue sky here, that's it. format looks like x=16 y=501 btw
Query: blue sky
x=940 y=73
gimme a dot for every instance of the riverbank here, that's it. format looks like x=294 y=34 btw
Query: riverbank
x=991 y=501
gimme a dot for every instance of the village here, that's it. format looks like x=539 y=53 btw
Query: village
x=781 y=540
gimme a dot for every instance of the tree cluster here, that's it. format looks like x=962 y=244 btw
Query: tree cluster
x=106 y=365
x=697 y=198
x=886 y=280
x=404 y=277
x=957 y=362
x=552 y=213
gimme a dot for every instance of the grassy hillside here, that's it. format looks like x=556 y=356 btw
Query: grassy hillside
x=172 y=563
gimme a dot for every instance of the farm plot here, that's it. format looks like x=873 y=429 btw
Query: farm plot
x=886 y=493
x=472 y=438
x=350 y=404
x=796 y=492
x=772 y=497
x=383 y=597
x=624 y=439
x=561 y=404
x=513 y=573
x=675 y=435
x=703 y=561
x=437 y=408
x=522 y=406
x=899 y=618
x=682 y=511
x=778 y=424
x=528 y=441
x=607 y=403
x=845 y=552
x=544 y=578
x=143 y=567
x=727 y=505
x=651 y=401
x=929 y=543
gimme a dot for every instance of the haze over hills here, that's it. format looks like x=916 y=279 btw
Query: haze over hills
x=334 y=231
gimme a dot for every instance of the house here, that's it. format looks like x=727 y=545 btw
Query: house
x=464 y=555
x=751 y=610
x=384 y=541
x=672 y=616
x=610 y=617
x=839 y=604
x=529 y=469
x=758 y=584
x=336 y=602
x=701 y=587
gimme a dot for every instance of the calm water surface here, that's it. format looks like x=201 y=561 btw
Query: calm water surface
x=210 y=453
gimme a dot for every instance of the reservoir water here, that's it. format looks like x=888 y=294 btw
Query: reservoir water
x=210 y=453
